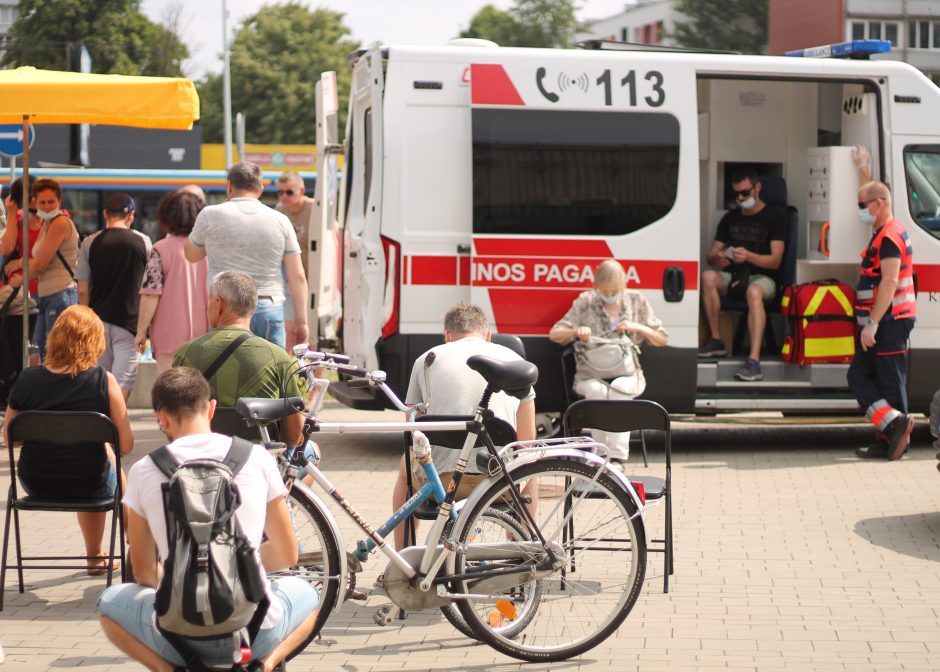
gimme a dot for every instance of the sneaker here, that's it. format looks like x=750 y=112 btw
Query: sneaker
x=899 y=435
x=714 y=347
x=750 y=371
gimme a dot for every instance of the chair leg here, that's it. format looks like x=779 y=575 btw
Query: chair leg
x=668 y=567
x=19 y=547
x=114 y=521
x=6 y=546
x=646 y=462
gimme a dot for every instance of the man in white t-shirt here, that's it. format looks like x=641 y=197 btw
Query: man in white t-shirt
x=183 y=409
x=243 y=234
x=456 y=389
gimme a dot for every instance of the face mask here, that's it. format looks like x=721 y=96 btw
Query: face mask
x=48 y=216
x=867 y=218
x=748 y=204
x=609 y=300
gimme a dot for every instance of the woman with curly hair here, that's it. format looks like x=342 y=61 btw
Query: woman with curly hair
x=173 y=296
x=69 y=380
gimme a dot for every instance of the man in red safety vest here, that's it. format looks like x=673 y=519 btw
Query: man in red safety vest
x=886 y=311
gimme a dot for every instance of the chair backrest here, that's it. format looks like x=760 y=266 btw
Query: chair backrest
x=510 y=341
x=62 y=428
x=227 y=420
x=773 y=191
x=609 y=415
x=500 y=431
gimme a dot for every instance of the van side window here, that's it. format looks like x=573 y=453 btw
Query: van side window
x=367 y=158
x=922 y=169
x=553 y=172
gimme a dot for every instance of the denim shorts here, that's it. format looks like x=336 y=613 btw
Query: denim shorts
x=268 y=322
x=105 y=491
x=130 y=605
x=50 y=307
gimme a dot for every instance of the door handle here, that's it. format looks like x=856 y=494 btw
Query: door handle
x=463 y=249
x=673 y=284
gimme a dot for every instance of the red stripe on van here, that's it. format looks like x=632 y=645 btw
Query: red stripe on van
x=490 y=85
x=529 y=312
x=928 y=277
x=463 y=267
x=571 y=272
x=543 y=247
x=434 y=270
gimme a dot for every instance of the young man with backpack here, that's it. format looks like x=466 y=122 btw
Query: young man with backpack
x=208 y=591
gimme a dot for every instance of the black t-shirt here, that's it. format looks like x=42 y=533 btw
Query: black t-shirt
x=74 y=470
x=753 y=232
x=117 y=258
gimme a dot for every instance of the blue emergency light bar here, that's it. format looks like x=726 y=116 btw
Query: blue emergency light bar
x=851 y=49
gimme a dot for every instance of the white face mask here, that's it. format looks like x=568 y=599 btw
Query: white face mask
x=48 y=216
x=610 y=300
x=867 y=218
x=748 y=204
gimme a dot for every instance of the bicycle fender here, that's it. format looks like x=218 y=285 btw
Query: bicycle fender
x=337 y=534
x=527 y=456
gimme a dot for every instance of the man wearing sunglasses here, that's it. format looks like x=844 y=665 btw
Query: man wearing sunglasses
x=886 y=309
x=293 y=202
x=747 y=251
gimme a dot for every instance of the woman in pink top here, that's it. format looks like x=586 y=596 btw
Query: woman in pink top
x=173 y=296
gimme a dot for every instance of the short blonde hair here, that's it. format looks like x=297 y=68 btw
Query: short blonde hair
x=608 y=271
x=874 y=189
x=76 y=340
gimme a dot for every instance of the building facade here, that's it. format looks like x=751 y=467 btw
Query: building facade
x=641 y=22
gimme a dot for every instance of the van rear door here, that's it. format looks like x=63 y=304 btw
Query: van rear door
x=364 y=263
x=577 y=159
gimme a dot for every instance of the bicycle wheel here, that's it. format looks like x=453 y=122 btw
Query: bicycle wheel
x=498 y=526
x=319 y=557
x=584 y=598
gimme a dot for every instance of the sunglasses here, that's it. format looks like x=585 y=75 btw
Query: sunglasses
x=864 y=204
x=285 y=192
x=744 y=192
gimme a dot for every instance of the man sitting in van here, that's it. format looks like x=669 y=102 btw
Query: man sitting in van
x=747 y=251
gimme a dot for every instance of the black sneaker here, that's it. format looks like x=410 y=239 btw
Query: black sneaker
x=878 y=450
x=899 y=435
x=750 y=371
x=714 y=347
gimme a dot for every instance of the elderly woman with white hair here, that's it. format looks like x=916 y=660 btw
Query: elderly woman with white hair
x=607 y=324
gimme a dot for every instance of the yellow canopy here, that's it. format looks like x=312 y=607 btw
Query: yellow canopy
x=52 y=97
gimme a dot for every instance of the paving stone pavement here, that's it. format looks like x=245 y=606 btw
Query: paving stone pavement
x=790 y=555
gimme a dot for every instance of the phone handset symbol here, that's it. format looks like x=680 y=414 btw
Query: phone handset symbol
x=539 y=76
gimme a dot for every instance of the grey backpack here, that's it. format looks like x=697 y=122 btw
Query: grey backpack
x=211 y=585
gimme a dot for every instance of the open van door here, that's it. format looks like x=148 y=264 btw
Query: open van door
x=364 y=265
x=575 y=163
x=324 y=257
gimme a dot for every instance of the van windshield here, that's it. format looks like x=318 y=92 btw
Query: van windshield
x=566 y=172
x=922 y=168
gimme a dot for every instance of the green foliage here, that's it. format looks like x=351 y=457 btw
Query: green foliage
x=734 y=25
x=277 y=56
x=120 y=39
x=528 y=23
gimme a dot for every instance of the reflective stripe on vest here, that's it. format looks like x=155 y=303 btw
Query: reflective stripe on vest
x=903 y=303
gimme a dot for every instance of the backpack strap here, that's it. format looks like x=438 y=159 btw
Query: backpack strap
x=59 y=254
x=238 y=455
x=224 y=355
x=165 y=462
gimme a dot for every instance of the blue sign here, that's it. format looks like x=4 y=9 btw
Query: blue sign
x=11 y=139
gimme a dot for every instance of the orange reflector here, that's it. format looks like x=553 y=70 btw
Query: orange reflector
x=506 y=608
x=495 y=619
x=640 y=491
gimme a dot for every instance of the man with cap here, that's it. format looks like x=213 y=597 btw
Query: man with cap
x=110 y=269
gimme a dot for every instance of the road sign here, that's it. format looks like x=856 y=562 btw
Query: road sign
x=11 y=139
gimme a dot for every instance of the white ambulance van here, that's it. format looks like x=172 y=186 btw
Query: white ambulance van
x=503 y=176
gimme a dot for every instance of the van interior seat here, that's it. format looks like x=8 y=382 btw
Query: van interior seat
x=773 y=193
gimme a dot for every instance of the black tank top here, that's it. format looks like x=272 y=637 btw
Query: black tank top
x=66 y=471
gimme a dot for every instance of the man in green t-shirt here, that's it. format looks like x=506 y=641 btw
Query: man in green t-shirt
x=256 y=367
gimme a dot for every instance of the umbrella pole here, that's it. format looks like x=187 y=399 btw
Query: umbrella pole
x=25 y=248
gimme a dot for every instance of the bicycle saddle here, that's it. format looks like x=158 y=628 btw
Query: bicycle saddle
x=514 y=378
x=254 y=408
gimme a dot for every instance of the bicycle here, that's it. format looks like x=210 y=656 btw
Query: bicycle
x=514 y=566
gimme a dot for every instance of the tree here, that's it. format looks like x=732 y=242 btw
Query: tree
x=119 y=38
x=734 y=25
x=528 y=23
x=277 y=56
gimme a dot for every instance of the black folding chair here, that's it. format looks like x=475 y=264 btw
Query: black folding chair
x=39 y=430
x=625 y=416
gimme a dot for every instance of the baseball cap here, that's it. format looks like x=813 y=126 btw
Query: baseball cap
x=120 y=204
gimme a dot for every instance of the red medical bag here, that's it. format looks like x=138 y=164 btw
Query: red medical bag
x=822 y=322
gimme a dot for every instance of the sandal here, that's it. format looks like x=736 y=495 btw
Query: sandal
x=102 y=569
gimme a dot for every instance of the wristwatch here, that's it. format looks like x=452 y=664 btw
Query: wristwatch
x=871 y=322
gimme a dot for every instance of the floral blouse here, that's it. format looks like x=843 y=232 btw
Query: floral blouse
x=588 y=311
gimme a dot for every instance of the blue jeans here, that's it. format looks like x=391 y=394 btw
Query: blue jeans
x=131 y=606
x=50 y=307
x=268 y=322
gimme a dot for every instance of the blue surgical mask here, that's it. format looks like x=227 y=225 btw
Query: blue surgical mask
x=867 y=218
x=609 y=300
